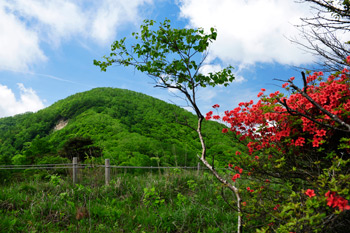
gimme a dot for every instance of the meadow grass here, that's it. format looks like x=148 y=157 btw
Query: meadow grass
x=135 y=201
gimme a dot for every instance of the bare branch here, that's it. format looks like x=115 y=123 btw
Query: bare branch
x=321 y=33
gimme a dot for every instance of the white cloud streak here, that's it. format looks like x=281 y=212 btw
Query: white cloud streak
x=26 y=24
x=10 y=105
x=250 y=31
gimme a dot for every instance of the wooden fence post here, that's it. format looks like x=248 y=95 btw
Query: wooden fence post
x=198 y=167
x=75 y=170
x=107 y=171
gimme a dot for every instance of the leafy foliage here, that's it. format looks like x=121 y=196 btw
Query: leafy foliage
x=169 y=55
x=129 y=128
x=80 y=147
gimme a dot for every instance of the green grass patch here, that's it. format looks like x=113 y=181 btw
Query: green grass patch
x=173 y=201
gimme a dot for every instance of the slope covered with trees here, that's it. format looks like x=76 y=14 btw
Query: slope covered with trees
x=127 y=127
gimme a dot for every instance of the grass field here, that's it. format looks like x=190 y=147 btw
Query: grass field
x=171 y=201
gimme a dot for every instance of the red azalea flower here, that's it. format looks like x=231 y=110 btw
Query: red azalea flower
x=310 y=193
x=334 y=200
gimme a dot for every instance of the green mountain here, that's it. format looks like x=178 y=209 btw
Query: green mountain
x=127 y=127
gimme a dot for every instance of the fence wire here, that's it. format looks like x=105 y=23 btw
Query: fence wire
x=36 y=165
x=71 y=166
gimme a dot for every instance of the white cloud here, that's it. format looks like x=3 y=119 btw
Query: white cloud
x=111 y=14
x=239 y=79
x=19 y=46
x=205 y=95
x=28 y=101
x=209 y=68
x=250 y=31
x=26 y=24
x=53 y=19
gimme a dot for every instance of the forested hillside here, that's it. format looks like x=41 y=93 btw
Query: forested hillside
x=127 y=127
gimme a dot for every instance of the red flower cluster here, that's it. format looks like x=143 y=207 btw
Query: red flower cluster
x=208 y=116
x=216 y=106
x=276 y=125
x=334 y=200
x=285 y=85
x=300 y=141
x=235 y=177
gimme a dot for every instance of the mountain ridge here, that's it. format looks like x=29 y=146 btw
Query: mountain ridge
x=128 y=127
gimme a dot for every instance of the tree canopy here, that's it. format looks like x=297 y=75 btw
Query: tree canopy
x=172 y=57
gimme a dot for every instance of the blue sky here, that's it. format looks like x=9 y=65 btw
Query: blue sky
x=47 y=47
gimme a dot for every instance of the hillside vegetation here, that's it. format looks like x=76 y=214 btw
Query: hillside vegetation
x=127 y=127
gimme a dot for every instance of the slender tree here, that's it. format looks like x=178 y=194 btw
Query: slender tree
x=173 y=58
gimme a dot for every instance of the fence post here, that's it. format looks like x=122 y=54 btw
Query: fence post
x=107 y=171
x=198 y=167
x=75 y=170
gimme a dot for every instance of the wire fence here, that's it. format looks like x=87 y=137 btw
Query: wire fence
x=36 y=166
x=75 y=166
x=70 y=165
